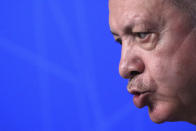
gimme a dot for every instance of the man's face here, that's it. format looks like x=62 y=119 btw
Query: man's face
x=158 y=56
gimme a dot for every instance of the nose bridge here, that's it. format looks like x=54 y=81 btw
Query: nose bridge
x=130 y=61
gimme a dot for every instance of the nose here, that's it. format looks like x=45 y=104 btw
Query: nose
x=131 y=63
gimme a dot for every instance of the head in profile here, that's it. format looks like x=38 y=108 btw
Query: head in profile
x=158 y=56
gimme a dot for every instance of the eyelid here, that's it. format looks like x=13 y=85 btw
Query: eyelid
x=138 y=38
x=136 y=34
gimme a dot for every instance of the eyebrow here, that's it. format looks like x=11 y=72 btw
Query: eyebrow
x=149 y=26
x=128 y=28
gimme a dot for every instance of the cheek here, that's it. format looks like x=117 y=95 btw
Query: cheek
x=174 y=61
x=166 y=101
x=172 y=68
x=173 y=79
x=168 y=75
x=159 y=69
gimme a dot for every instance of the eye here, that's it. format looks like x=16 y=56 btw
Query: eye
x=119 y=41
x=141 y=35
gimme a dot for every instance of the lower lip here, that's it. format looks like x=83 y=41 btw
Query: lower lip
x=141 y=100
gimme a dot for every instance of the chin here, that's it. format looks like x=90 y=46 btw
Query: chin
x=163 y=113
x=157 y=118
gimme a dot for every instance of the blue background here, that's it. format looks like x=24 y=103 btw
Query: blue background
x=59 y=70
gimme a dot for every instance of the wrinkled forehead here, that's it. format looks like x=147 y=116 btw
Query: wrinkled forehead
x=120 y=9
x=125 y=11
x=114 y=5
x=128 y=6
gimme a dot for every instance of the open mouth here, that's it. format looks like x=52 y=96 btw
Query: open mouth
x=138 y=93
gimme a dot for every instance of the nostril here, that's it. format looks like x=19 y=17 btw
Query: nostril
x=134 y=73
x=130 y=67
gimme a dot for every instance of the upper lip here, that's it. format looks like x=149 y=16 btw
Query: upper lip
x=135 y=90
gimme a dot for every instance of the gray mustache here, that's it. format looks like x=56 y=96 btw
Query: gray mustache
x=140 y=84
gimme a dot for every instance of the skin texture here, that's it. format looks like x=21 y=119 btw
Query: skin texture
x=158 y=56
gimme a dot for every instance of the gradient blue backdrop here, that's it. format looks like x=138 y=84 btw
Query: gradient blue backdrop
x=59 y=70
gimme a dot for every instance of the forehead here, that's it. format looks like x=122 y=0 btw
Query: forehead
x=124 y=12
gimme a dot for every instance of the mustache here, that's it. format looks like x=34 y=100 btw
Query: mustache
x=140 y=84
